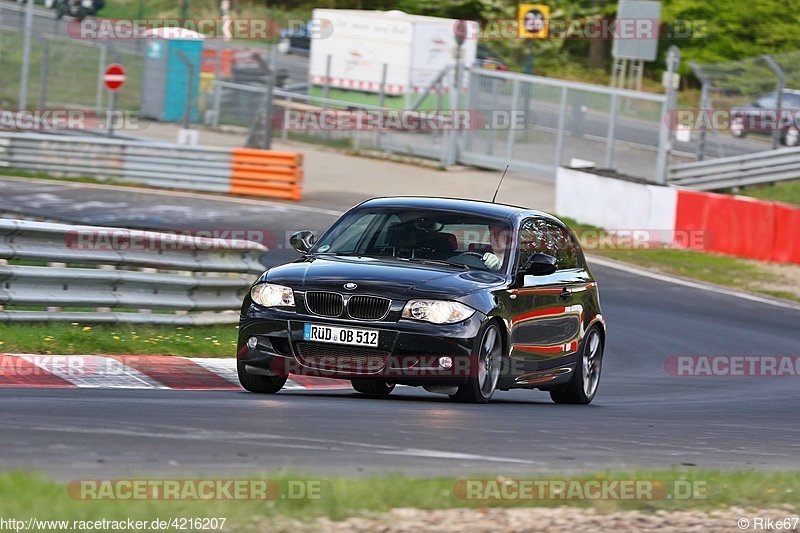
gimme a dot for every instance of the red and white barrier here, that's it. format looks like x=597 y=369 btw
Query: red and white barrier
x=705 y=221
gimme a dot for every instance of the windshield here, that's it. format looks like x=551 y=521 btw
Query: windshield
x=423 y=235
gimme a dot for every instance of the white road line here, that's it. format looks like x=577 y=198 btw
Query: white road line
x=282 y=441
x=625 y=267
x=178 y=194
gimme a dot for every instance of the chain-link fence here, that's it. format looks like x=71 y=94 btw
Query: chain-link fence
x=66 y=73
x=530 y=123
x=746 y=106
x=559 y=121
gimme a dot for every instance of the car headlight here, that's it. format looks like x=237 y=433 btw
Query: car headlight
x=269 y=295
x=437 y=311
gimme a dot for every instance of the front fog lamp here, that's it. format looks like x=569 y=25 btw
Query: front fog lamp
x=269 y=295
x=437 y=311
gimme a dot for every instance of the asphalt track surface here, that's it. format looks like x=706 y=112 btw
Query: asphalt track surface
x=642 y=416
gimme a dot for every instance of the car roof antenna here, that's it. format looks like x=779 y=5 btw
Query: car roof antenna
x=499 y=184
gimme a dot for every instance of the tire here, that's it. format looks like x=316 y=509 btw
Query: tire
x=791 y=137
x=372 y=387
x=81 y=14
x=582 y=388
x=487 y=359
x=61 y=10
x=257 y=383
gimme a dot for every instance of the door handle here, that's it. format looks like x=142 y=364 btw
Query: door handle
x=565 y=294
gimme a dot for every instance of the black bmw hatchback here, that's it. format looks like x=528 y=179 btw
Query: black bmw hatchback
x=457 y=296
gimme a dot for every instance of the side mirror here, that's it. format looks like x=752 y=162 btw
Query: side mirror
x=302 y=241
x=541 y=264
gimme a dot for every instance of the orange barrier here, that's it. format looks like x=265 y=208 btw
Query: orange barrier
x=266 y=173
x=740 y=226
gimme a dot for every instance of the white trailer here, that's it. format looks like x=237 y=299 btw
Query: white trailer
x=359 y=43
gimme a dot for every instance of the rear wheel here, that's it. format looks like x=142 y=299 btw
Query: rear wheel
x=582 y=388
x=372 y=387
x=487 y=360
x=258 y=383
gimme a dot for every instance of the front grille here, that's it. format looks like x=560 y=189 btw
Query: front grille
x=353 y=359
x=367 y=307
x=324 y=303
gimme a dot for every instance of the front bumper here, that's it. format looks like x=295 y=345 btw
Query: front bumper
x=408 y=350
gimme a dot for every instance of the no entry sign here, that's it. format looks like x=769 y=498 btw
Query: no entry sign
x=114 y=77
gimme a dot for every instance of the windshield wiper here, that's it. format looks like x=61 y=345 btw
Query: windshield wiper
x=436 y=261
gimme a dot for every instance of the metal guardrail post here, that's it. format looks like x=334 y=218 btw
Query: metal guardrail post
x=780 y=80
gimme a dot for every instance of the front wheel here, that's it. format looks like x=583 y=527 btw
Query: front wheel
x=258 y=383
x=487 y=361
x=372 y=387
x=582 y=388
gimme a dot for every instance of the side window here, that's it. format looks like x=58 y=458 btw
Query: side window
x=539 y=235
x=532 y=239
x=565 y=247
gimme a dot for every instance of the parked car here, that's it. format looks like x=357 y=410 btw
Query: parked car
x=759 y=117
x=460 y=297
x=490 y=63
x=297 y=40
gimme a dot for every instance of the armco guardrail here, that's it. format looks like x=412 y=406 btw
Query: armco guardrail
x=199 y=168
x=738 y=171
x=100 y=274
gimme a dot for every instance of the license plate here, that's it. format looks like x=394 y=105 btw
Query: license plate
x=338 y=335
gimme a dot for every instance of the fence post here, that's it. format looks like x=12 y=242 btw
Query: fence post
x=217 y=103
x=664 y=135
x=43 y=74
x=326 y=88
x=510 y=141
x=382 y=96
x=101 y=67
x=26 y=57
x=271 y=74
x=779 y=84
x=704 y=105
x=562 y=122
x=612 y=124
